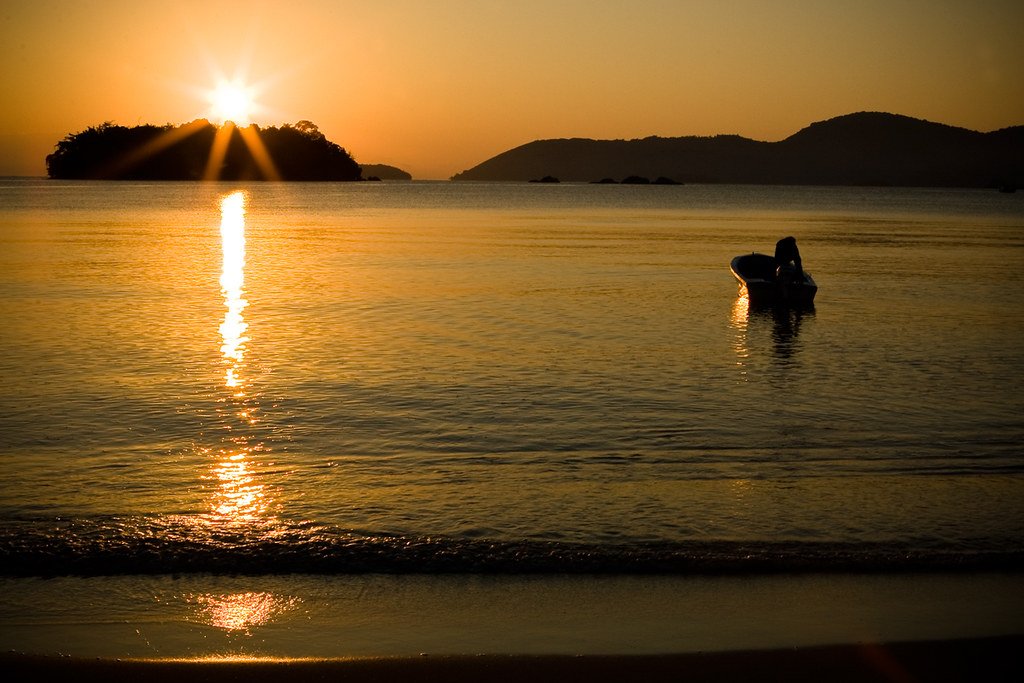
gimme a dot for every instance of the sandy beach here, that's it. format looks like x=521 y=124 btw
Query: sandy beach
x=988 y=659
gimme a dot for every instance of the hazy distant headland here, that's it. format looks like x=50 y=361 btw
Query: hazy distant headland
x=867 y=148
x=384 y=172
x=202 y=151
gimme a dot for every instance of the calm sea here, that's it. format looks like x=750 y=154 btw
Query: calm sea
x=505 y=378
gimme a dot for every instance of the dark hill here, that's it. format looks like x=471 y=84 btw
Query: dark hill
x=200 y=150
x=858 y=149
x=385 y=172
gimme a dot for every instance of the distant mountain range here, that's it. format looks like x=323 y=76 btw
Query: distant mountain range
x=867 y=148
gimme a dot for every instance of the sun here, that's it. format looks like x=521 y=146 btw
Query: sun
x=232 y=101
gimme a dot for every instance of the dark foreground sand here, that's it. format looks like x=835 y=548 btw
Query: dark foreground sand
x=985 y=659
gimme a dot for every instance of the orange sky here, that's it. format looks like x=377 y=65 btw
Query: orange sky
x=437 y=87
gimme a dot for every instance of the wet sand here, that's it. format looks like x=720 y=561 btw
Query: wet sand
x=345 y=618
x=988 y=659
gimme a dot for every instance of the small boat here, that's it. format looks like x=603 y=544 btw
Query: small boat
x=757 y=278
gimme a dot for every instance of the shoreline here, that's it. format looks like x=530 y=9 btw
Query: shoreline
x=990 y=659
x=333 y=618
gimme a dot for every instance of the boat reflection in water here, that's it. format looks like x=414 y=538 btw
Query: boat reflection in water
x=785 y=322
x=738 y=321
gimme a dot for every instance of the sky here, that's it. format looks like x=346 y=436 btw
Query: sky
x=438 y=87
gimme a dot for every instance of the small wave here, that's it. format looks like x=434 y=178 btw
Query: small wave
x=187 y=545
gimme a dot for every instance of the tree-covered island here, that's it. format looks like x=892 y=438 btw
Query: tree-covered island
x=201 y=151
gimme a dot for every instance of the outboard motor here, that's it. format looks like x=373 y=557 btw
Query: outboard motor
x=788 y=275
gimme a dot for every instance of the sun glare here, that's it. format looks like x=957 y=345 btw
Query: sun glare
x=231 y=101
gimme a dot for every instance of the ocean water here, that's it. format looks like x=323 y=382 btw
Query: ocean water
x=487 y=378
x=373 y=419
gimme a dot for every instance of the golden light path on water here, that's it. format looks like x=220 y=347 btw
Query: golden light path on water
x=232 y=279
x=240 y=498
x=240 y=501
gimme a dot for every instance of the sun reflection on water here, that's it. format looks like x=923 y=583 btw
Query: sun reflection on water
x=240 y=507
x=241 y=611
x=232 y=280
x=240 y=497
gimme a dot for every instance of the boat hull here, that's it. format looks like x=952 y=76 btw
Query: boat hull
x=755 y=274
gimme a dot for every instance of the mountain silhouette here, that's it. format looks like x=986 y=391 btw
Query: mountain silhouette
x=866 y=148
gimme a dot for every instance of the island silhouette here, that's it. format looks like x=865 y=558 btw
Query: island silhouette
x=201 y=150
x=384 y=172
x=866 y=148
